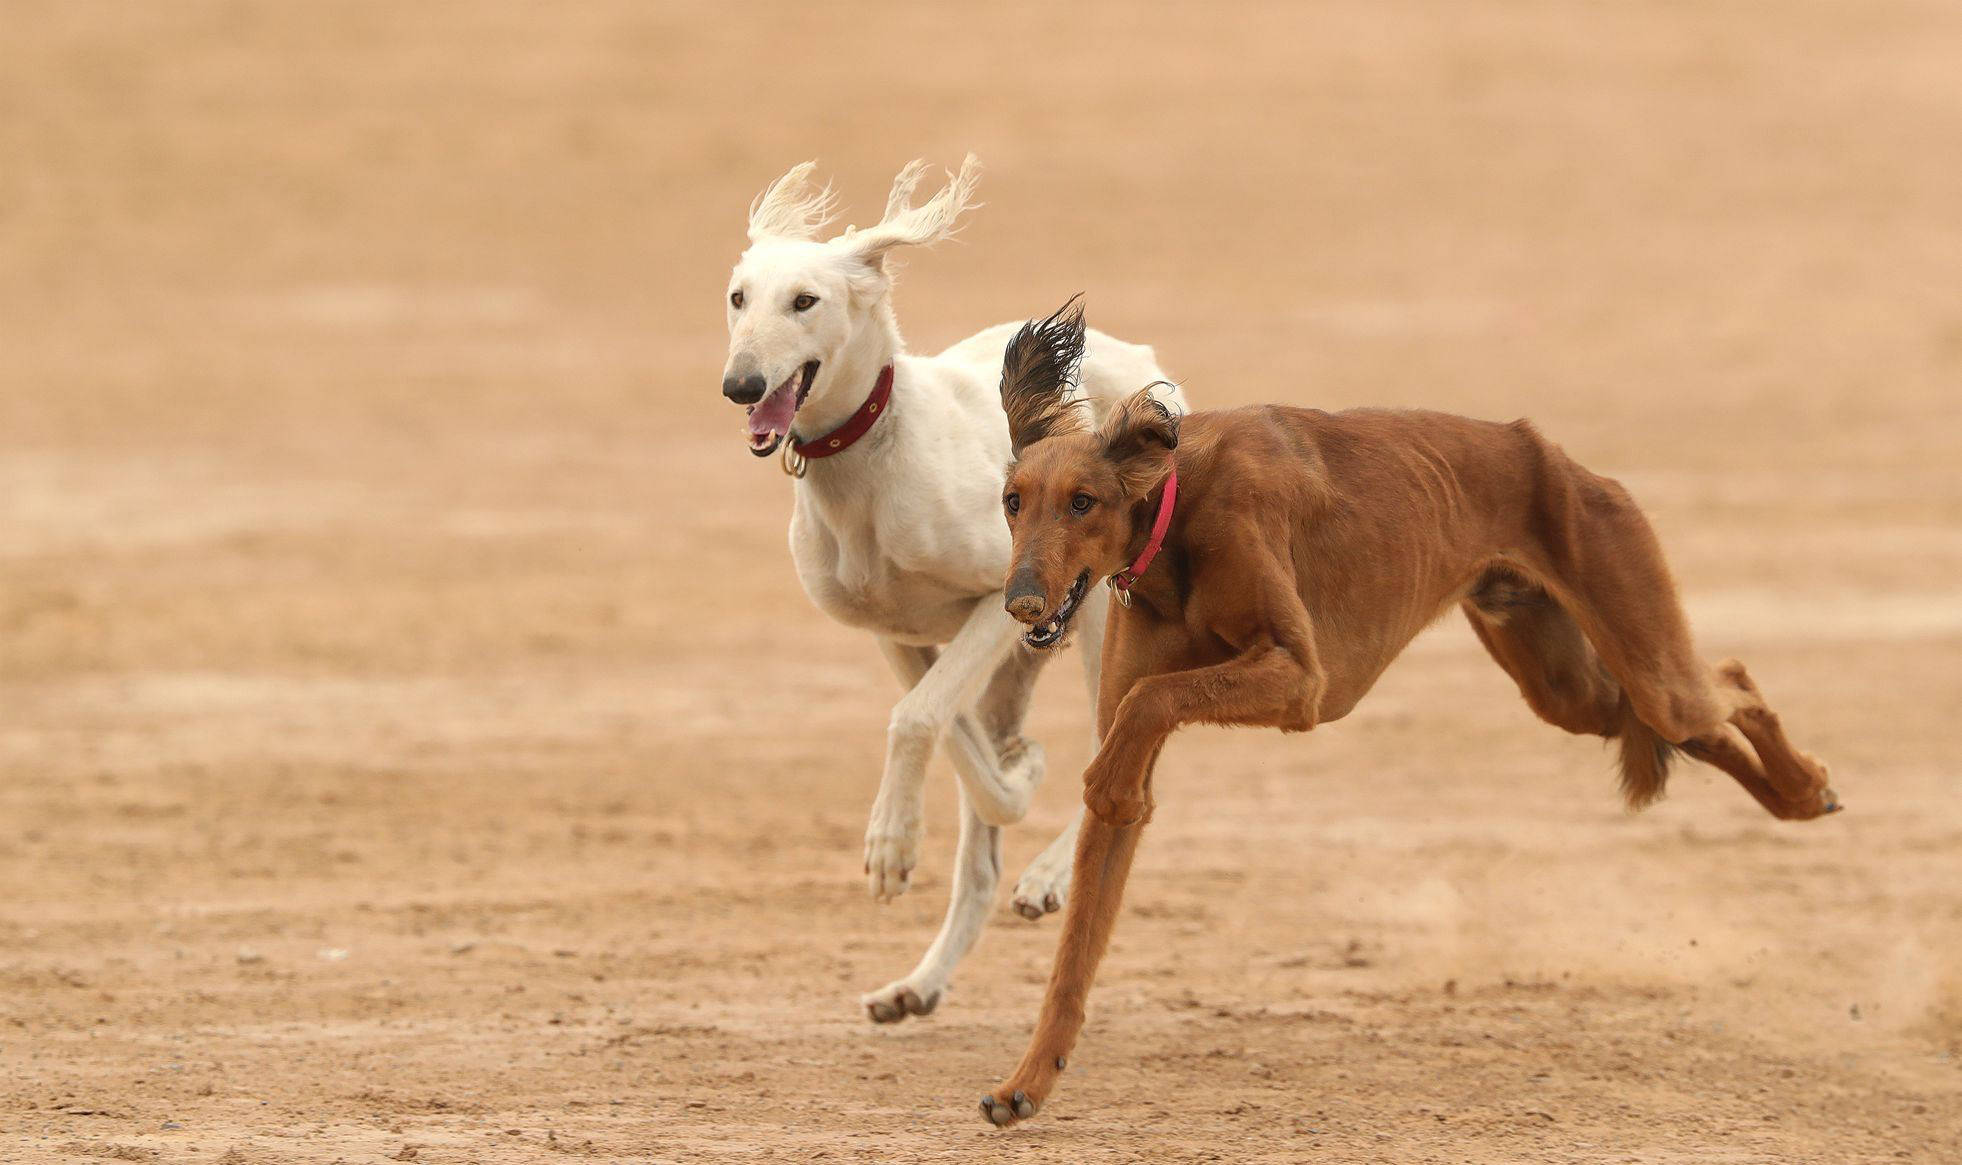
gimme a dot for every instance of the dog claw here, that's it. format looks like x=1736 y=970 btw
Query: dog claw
x=892 y=852
x=997 y=1113
x=1023 y=1108
x=1034 y=910
x=890 y=1005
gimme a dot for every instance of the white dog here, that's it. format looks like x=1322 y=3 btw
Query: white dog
x=897 y=527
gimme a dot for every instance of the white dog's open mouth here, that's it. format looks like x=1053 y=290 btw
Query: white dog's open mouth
x=1048 y=634
x=769 y=418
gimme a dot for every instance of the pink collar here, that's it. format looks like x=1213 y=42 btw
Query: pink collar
x=1123 y=580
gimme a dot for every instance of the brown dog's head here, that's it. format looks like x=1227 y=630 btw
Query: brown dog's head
x=1076 y=500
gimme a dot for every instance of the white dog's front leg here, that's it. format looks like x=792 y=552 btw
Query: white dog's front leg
x=1044 y=886
x=977 y=871
x=919 y=720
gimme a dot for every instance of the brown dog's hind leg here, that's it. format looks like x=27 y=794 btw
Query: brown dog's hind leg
x=1103 y=862
x=1727 y=749
x=1797 y=780
x=1562 y=677
x=1543 y=650
x=1625 y=603
x=1595 y=552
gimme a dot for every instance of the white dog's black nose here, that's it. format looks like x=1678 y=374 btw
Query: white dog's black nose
x=744 y=390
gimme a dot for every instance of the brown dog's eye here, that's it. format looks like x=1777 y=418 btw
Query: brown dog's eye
x=736 y=300
x=1081 y=503
x=804 y=302
x=1012 y=503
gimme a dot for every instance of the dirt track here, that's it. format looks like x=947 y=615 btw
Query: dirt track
x=412 y=735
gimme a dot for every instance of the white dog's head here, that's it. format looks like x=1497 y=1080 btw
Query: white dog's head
x=795 y=303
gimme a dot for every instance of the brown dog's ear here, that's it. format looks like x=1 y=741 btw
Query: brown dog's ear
x=1138 y=437
x=1038 y=369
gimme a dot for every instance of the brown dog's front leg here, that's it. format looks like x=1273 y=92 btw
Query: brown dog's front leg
x=1113 y=790
x=1103 y=862
x=1266 y=686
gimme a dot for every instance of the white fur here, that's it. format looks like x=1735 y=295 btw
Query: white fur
x=902 y=534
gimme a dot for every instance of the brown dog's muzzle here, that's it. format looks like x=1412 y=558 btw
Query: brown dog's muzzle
x=1026 y=603
x=1024 y=596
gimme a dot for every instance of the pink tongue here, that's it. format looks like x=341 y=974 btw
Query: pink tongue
x=772 y=414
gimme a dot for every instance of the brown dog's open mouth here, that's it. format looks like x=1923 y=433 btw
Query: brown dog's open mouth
x=1050 y=632
x=769 y=418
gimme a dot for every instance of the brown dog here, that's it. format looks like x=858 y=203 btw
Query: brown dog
x=1303 y=551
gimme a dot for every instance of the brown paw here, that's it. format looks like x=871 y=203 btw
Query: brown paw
x=1021 y=1096
x=1820 y=804
x=1003 y=1107
x=1822 y=801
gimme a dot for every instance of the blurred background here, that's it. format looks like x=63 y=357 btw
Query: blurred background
x=414 y=742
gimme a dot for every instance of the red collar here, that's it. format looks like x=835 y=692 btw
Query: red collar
x=840 y=439
x=1123 y=580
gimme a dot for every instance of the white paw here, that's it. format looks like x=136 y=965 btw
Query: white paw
x=892 y=849
x=1022 y=765
x=1044 y=886
x=897 y=1000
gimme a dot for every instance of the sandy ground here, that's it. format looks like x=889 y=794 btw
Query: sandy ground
x=414 y=744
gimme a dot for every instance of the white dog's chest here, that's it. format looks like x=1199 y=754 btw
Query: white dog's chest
x=916 y=585
x=905 y=608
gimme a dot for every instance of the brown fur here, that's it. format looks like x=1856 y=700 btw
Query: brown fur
x=1306 y=550
x=1046 y=353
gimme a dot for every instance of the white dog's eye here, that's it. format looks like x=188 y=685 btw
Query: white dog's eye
x=736 y=300
x=804 y=302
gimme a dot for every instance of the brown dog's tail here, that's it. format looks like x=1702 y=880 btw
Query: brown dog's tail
x=1645 y=759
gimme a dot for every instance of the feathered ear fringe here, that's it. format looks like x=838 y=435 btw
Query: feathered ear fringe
x=1138 y=437
x=1038 y=370
x=790 y=209
x=936 y=219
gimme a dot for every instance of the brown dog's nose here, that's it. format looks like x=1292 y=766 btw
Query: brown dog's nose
x=1024 y=593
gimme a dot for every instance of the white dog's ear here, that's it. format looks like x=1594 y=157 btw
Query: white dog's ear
x=905 y=225
x=790 y=209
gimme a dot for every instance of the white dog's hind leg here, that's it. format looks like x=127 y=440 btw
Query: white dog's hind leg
x=1045 y=885
x=977 y=871
x=936 y=701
